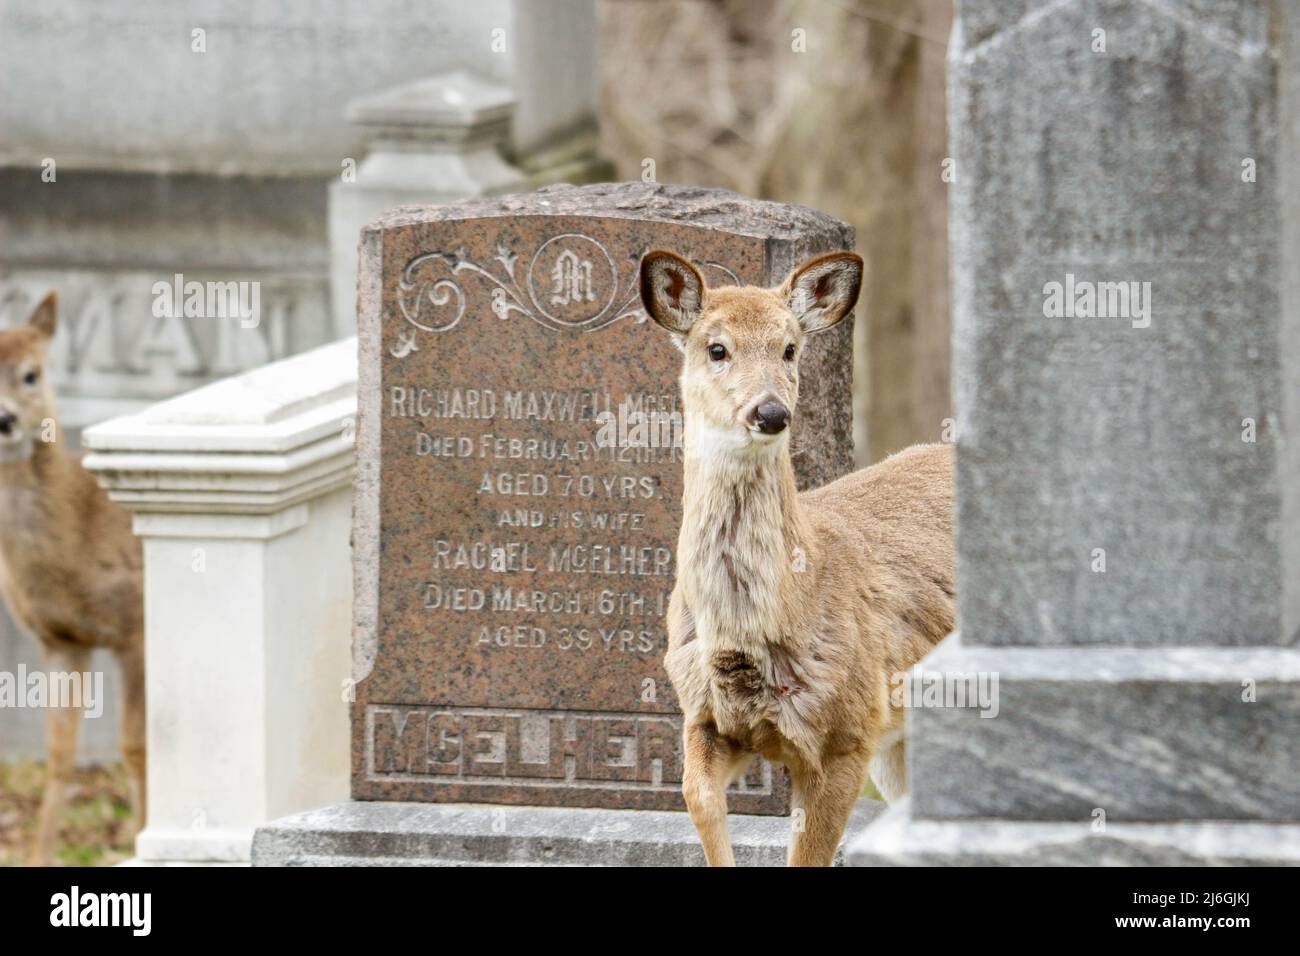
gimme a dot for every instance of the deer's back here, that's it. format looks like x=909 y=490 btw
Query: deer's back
x=909 y=492
x=896 y=518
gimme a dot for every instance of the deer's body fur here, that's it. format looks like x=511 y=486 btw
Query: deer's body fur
x=69 y=565
x=71 y=569
x=796 y=665
x=792 y=612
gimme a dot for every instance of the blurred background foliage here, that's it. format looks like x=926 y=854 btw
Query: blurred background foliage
x=836 y=104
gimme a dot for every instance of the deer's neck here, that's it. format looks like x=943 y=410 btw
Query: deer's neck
x=31 y=484
x=743 y=548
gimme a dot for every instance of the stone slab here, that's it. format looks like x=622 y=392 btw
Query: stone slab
x=255 y=443
x=897 y=838
x=303 y=62
x=415 y=834
x=1120 y=437
x=1183 y=733
x=459 y=100
x=512 y=568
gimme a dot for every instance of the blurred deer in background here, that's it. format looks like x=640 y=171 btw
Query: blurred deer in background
x=70 y=567
x=793 y=613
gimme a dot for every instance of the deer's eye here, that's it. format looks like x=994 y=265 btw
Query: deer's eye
x=717 y=352
x=31 y=377
x=789 y=353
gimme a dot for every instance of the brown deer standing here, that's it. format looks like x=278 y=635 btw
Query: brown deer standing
x=792 y=612
x=70 y=567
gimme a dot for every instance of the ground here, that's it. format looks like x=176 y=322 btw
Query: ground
x=96 y=820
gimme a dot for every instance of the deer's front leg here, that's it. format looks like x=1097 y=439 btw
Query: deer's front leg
x=826 y=799
x=707 y=769
x=61 y=729
x=133 y=732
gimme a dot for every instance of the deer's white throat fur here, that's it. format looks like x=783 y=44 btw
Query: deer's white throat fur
x=741 y=539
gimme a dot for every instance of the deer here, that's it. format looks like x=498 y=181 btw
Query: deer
x=71 y=569
x=793 y=614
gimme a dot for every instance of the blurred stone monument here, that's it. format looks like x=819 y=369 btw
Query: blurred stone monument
x=115 y=185
x=434 y=140
x=114 y=181
x=1126 y=290
x=514 y=543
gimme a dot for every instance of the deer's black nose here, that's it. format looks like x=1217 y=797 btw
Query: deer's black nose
x=7 y=422
x=771 y=417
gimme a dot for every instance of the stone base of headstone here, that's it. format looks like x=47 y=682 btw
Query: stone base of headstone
x=1100 y=756
x=1124 y=734
x=898 y=838
x=381 y=833
x=136 y=861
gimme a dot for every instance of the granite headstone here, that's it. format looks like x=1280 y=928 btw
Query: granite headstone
x=519 y=489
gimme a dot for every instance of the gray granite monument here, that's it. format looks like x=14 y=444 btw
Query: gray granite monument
x=1126 y=272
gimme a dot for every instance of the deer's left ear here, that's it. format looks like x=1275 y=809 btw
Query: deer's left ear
x=672 y=291
x=45 y=317
x=823 y=290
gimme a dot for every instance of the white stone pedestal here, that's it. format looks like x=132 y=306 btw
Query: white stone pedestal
x=241 y=493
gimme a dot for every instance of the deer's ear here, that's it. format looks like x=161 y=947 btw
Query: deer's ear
x=672 y=291
x=823 y=290
x=45 y=317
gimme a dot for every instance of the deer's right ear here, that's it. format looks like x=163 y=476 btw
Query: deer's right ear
x=824 y=290
x=672 y=291
x=45 y=317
